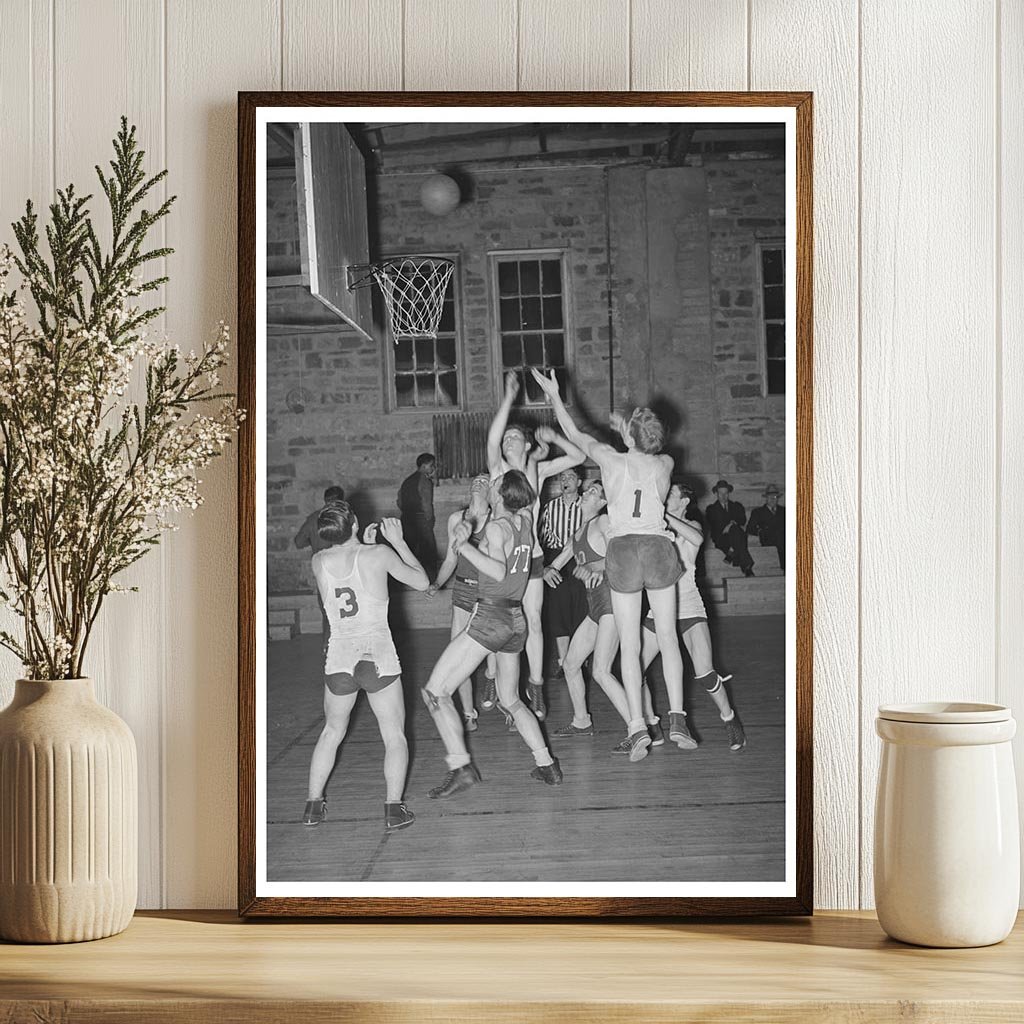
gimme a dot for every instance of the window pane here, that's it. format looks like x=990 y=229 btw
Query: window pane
x=776 y=377
x=562 y=376
x=449 y=393
x=775 y=303
x=446 y=353
x=551 y=271
x=533 y=348
x=511 y=352
x=529 y=277
x=425 y=390
x=508 y=278
x=552 y=313
x=447 y=324
x=424 y=353
x=510 y=315
x=775 y=340
x=405 y=393
x=533 y=391
x=555 y=347
x=403 y=354
x=773 y=268
x=531 y=315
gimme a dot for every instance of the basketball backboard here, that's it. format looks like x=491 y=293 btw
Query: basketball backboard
x=333 y=232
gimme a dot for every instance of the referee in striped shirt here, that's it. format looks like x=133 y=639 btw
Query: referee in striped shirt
x=566 y=603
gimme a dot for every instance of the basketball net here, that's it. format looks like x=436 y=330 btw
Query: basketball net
x=414 y=288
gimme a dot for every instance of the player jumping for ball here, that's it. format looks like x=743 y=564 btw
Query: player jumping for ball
x=693 y=628
x=352 y=578
x=498 y=626
x=596 y=634
x=465 y=589
x=509 y=448
x=641 y=555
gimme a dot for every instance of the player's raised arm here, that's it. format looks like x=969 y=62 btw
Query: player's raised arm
x=573 y=455
x=590 y=446
x=685 y=528
x=451 y=556
x=485 y=560
x=500 y=422
x=402 y=563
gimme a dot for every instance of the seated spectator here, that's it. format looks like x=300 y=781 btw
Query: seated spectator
x=726 y=520
x=768 y=523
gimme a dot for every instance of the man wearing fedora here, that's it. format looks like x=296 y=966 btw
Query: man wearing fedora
x=768 y=523
x=726 y=520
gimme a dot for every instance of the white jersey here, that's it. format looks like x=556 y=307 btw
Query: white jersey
x=358 y=621
x=689 y=603
x=636 y=486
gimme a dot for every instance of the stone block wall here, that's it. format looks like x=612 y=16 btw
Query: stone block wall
x=663 y=307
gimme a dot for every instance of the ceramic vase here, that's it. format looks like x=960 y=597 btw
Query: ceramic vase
x=947 y=847
x=68 y=813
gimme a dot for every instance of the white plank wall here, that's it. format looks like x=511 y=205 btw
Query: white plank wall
x=919 y=307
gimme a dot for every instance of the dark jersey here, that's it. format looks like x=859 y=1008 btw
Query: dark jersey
x=517 y=562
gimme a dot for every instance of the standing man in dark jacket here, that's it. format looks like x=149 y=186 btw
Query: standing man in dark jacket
x=416 y=502
x=726 y=520
x=768 y=522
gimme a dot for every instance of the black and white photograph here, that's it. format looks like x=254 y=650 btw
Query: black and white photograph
x=526 y=491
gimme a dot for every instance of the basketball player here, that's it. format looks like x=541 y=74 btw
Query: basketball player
x=693 y=628
x=509 y=448
x=352 y=578
x=497 y=625
x=464 y=591
x=596 y=634
x=641 y=555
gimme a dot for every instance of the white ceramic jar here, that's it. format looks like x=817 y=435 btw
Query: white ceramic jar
x=947 y=847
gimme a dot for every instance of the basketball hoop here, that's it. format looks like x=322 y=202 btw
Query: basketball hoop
x=414 y=288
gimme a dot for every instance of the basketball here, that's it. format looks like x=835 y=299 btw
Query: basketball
x=440 y=195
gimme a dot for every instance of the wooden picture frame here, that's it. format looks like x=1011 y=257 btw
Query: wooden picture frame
x=796 y=107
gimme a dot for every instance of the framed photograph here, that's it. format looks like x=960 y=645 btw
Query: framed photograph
x=525 y=504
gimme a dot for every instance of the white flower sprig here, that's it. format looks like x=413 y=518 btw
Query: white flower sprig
x=89 y=477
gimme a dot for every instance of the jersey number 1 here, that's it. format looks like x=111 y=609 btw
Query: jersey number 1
x=636 y=504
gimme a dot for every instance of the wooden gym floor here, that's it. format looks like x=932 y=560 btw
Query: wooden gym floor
x=704 y=815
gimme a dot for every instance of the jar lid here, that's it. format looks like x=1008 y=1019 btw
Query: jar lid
x=945 y=713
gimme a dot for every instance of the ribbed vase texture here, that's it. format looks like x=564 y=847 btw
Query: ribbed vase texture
x=68 y=815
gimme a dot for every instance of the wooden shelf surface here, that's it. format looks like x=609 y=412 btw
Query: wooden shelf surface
x=208 y=966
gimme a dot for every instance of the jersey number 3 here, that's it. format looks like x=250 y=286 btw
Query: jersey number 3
x=636 y=504
x=347 y=603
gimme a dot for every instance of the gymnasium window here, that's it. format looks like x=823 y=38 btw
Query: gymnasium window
x=425 y=371
x=532 y=317
x=773 y=315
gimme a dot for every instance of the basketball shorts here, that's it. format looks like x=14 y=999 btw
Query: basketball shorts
x=599 y=601
x=362 y=677
x=464 y=593
x=537 y=567
x=683 y=626
x=640 y=562
x=500 y=630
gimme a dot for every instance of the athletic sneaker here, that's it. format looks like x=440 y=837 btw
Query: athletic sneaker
x=657 y=733
x=551 y=774
x=470 y=723
x=574 y=730
x=397 y=816
x=623 y=746
x=679 y=731
x=535 y=695
x=316 y=811
x=638 y=744
x=734 y=731
x=490 y=694
x=456 y=781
